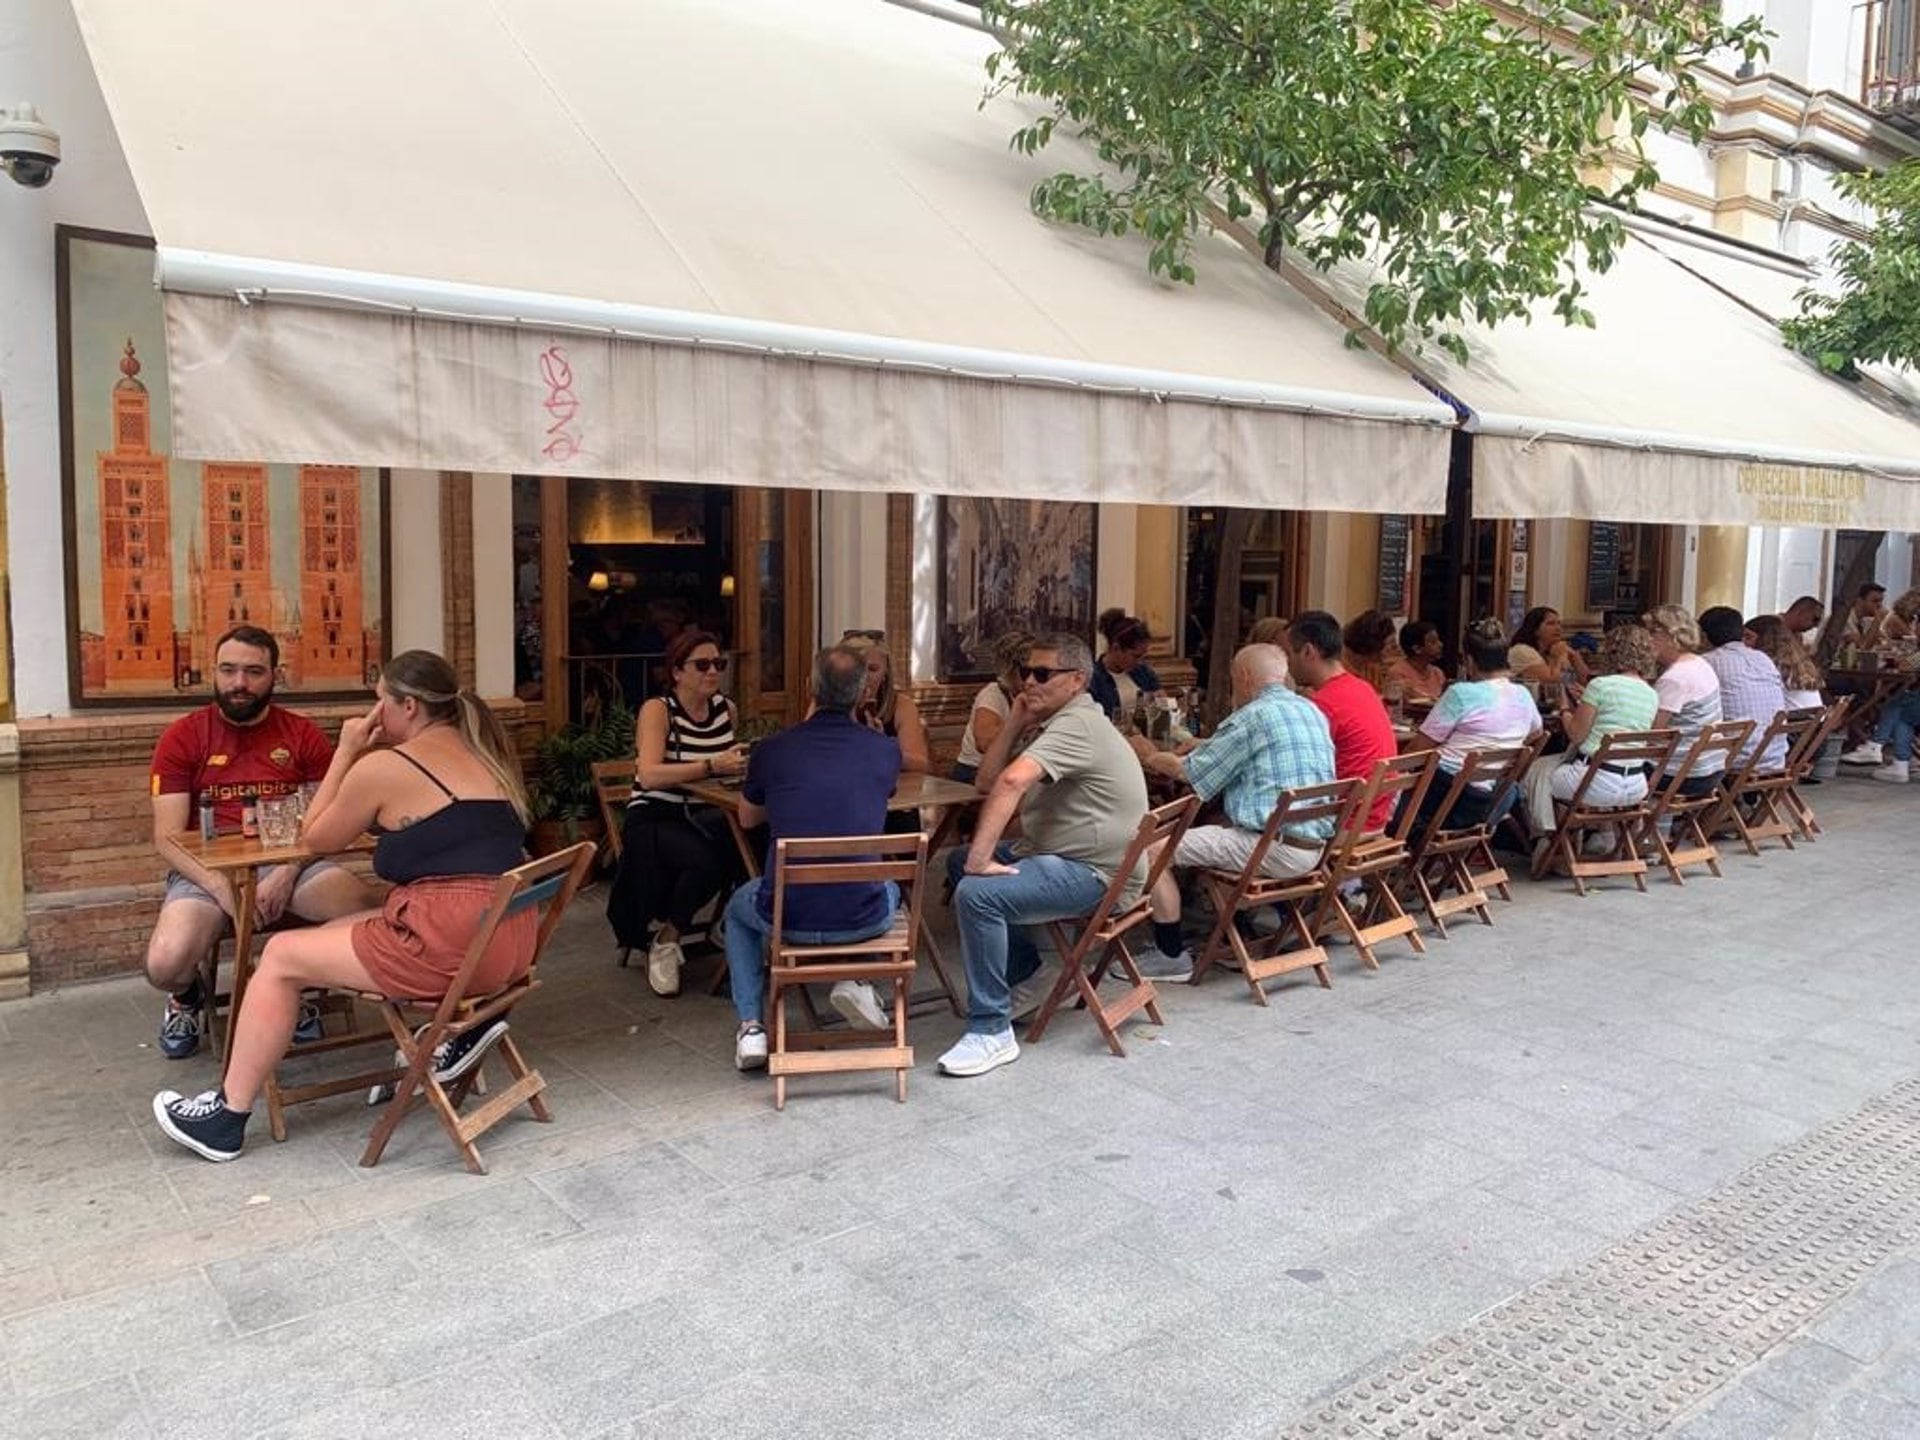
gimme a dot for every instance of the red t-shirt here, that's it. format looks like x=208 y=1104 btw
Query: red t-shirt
x=205 y=754
x=1362 y=734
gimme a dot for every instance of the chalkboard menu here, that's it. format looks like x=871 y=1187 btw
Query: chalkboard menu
x=1396 y=547
x=1603 y=566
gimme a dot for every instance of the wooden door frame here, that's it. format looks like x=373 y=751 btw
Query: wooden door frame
x=799 y=617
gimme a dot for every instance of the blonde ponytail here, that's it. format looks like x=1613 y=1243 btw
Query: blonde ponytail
x=487 y=738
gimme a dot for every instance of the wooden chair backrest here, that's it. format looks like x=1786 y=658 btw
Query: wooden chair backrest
x=549 y=884
x=1650 y=748
x=1723 y=738
x=851 y=860
x=613 y=783
x=1826 y=720
x=1404 y=778
x=1500 y=767
x=1329 y=805
x=1796 y=728
x=1157 y=836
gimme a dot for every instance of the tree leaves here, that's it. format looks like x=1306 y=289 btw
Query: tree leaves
x=1874 y=317
x=1450 y=147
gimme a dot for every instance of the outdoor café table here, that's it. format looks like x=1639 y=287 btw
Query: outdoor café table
x=1871 y=689
x=914 y=792
x=240 y=859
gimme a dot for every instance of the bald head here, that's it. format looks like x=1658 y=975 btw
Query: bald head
x=1255 y=667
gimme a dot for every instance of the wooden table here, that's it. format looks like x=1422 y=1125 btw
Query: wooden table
x=914 y=792
x=240 y=859
x=1871 y=690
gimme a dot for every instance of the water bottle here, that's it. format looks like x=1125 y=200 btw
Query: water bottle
x=250 y=820
x=207 y=828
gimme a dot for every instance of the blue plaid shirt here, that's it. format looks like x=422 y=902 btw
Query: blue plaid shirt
x=1277 y=741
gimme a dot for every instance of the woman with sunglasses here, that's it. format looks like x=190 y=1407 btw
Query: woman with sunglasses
x=677 y=853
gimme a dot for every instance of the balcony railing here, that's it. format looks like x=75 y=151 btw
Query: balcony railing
x=1890 y=71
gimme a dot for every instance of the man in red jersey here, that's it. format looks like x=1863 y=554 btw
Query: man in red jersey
x=233 y=752
x=1362 y=731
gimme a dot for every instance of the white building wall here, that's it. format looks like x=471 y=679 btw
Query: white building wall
x=851 y=535
x=43 y=61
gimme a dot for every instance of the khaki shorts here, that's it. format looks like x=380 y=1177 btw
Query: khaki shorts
x=1225 y=847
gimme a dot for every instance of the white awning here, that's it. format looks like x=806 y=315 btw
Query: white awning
x=1682 y=406
x=738 y=241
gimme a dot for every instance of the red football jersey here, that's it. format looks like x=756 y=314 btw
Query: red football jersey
x=205 y=755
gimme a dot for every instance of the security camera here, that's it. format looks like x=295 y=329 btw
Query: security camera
x=29 y=148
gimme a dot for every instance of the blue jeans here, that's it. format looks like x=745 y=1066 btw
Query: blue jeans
x=991 y=911
x=1897 y=724
x=747 y=933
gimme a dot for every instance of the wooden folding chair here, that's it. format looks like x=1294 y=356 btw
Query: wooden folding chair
x=1754 y=805
x=613 y=788
x=1453 y=865
x=1376 y=859
x=1100 y=938
x=1647 y=749
x=1674 y=829
x=1234 y=893
x=886 y=959
x=545 y=886
x=1799 y=810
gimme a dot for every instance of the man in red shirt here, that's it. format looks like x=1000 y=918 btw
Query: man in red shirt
x=1362 y=733
x=232 y=752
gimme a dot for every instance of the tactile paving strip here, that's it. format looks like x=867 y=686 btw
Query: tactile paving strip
x=1616 y=1347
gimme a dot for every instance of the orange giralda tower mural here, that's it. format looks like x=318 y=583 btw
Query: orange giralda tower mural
x=332 y=641
x=136 y=544
x=236 y=577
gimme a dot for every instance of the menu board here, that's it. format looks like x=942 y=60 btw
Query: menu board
x=1603 y=566
x=1396 y=554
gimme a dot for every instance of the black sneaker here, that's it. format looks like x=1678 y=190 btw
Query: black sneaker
x=451 y=1058
x=203 y=1124
x=307 y=1029
x=180 y=1025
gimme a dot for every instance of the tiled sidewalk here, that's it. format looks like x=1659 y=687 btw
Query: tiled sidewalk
x=1255 y=1210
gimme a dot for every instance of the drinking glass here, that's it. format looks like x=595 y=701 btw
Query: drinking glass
x=277 y=821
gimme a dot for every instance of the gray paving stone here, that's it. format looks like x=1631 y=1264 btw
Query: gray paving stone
x=59 y=1347
x=335 y=1268
x=1803 y=1372
x=109 y=1409
x=1863 y=1415
x=489 y=1220
x=1583 y=1192
x=1740 y=1414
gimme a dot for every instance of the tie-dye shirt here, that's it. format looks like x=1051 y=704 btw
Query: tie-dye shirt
x=1479 y=715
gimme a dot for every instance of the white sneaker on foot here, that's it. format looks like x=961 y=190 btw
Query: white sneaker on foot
x=976 y=1054
x=1867 y=752
x=750 y=1049
x=663 y=967
x=1894 y=772
x=856 y=1000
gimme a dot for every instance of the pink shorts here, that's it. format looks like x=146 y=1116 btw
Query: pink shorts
x=415 y=946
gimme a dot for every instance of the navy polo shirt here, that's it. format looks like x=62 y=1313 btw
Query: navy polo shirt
x=826 y=776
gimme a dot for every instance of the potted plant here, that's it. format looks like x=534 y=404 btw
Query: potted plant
x=560 y=780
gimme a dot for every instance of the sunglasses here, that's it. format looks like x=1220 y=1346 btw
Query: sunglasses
x=703 y=665
x=1043 y=673
x=876 y=636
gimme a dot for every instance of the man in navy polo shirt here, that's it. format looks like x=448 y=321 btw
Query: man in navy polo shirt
x=827 y=776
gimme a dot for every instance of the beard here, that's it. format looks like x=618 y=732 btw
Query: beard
x=244 y=707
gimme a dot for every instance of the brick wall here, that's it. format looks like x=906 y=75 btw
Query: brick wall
x=92 y=879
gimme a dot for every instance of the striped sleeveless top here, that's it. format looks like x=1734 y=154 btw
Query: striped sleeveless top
x=690 y=741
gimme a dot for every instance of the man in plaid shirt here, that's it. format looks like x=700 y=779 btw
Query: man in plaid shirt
x=1274 y=740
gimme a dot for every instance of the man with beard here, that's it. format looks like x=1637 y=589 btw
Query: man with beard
x=232 y=753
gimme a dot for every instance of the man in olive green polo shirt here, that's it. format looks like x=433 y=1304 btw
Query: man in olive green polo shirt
x=1080 y=795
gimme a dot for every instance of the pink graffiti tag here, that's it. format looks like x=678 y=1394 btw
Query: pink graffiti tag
x=562 y=406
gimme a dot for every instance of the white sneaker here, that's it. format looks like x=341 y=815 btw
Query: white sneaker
x=1894 y=772
x=1865 y=753
x=750 y=1049
x=977 y=1054
x=663 y=967
x=856 y=1000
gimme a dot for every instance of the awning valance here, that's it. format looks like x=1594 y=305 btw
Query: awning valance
x=1681 y=406
x=738 y=241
